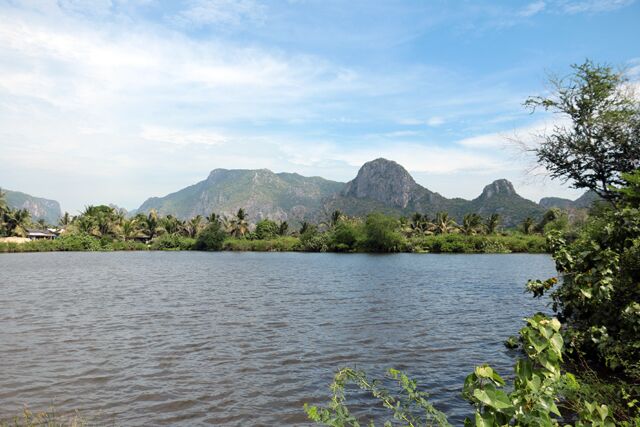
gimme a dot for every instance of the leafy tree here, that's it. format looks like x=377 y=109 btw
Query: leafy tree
x=266 y=229
x=381 y=234
x=601 y=141
x=345 y=236
x=553 y=219
x=599 y=296
x=527 y=225
x=283 y=228
x=211 y=238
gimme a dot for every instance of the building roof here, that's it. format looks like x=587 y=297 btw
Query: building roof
x=31 y=232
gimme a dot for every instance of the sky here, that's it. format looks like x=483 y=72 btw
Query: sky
x=110 y=101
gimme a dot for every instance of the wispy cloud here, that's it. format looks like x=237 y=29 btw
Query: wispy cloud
x=533 y=8
x=592 y=6
x=200 y=13
x=182 y=137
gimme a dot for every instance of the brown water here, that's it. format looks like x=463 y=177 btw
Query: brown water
x=188 y=338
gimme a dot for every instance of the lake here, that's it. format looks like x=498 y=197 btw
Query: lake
x=191 y=338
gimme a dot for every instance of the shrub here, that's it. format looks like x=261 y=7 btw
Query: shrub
x=345 y=236
x=266 y=229
x=312 y=241
x=172 y=242
x=211 y=238
x=381 y=234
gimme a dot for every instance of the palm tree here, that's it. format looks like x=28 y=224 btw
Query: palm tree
x=4 y=207
x=85 y=224
x=336 y=216
x=129 y=228
x=42 y=223
x=420 y=224
x=443 y=224
x=213 y=218
x=527 y=225
x=283 y=228
x=193 y=226
x=171 y=225
x=16 y=222
x=150 y=223
x=492 y=223
x=304 y=227
x=65 y=220
x=471 y=224
x=239 y=224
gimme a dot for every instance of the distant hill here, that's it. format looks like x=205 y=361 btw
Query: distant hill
x=380 y=185
x=262 y=193
x=583 y=202
x=386 y=186
x=39 y=208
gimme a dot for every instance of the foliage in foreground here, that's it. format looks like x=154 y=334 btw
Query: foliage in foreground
x=599 y=297
x=44 y=419
x=533 y=399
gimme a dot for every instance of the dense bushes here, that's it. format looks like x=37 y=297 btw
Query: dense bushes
x=600 y=294
x=173 y=242
x=211 y=238
x=72 y=242
x=381 y=234
x=279 y=244
x=460 y=243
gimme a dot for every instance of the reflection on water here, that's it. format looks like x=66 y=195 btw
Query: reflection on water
x=190 y=338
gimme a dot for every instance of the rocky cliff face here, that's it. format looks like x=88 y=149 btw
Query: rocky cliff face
x=500 y=187
x=39 y=208
x=384 y=181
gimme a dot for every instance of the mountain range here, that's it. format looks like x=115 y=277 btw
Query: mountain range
x=380 y=185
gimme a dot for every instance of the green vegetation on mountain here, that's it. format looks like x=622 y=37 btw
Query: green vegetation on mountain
x=38 y=208
x=380 y=186
x=262 y=193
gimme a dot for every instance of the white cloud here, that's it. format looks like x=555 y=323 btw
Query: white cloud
x=593 y=6
x=528 y=135
x=533 y=8
x=221 y=12
x=182 y=137
x=435 y=121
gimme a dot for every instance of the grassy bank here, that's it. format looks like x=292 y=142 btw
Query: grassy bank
x=447 y=243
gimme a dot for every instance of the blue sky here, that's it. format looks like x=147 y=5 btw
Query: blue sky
x=112 y=102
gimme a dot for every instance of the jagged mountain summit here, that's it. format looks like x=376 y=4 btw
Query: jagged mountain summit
x=380 y=185
x=38 y=207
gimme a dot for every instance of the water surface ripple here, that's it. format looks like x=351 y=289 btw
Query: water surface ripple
x=188 y=338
